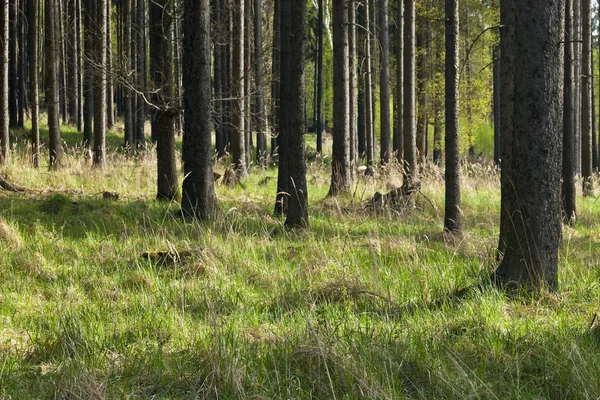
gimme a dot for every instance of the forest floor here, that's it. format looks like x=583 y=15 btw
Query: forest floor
x=118 y=298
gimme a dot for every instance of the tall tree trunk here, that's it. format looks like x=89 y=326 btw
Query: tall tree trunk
x=80 y=68
x=586 y=99
x=261 y=132
x=100 y=86
x=73 y=76
x=161 y=74
x=218 y=40
x=532 y=87
x=452 y=212
x=320 y=81
x=398 y=145
x=199 y=199
x=238 y=144
x=352 y=133
x=369 y=109
x=62 y=67
x=248 y=81
x=361 y=104
x=423 y=46
x=127 y=93
x=411 y=169
x=577 y=58
x=569 y=194
x=89 y=73
x=52 y=95
x=594 y=126
x=340 y=172
x=4 y=87
x=110 y=112
x=297 y=212
x=384 y=85
x=22 y=65
x=140 y=108
x=13 y=64
x=33 y=80
x=281 y=198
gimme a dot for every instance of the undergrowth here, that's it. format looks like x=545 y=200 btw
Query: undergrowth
x=105 y=298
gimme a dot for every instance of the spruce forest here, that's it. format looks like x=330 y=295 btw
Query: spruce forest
x=291 y=199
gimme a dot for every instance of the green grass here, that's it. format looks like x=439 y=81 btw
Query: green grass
x=357 y=306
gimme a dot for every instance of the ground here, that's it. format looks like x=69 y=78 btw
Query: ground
x=119 y=298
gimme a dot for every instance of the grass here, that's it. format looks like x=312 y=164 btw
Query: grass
x=120 y=299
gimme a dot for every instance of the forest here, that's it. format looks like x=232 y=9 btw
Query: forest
x=291 y=199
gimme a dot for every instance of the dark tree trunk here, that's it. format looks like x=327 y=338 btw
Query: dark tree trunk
x=4 y=87
x=52 y=95
x=361 y=104
x=99 y=159
x=340 y=162
x=281 y=198
x=275 y=78
x=33 y=80
x=411 y=169
x=72 y=54
x=218 y=41
x=110 y=112
x=89 y=72
x=594 y=126
x=127 y=93
x=140 y=106
x=452 y=212
x=423 y=46
x=577 y=58
x=352 y=81
x=199 y=199
x=384 y=85
x=532 y=88
x=261 y=132
x=238 y=143
x=569 y=194
x=247 y=82
x=13 y=65
x=369 y=109
x=22 y=61
x=398 y=145
x=320 y=85
x=80 y=68
x=297 y=212
x=161 y=73
x=497 y=115
x=586 y=99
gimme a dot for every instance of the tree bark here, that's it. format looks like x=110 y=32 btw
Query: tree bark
x=140 y=106
x=398 y=145
x=4 y=87
x=411 y=169
x=532 y=112
x=369 y=109
x=33 y=80
x=384 y=83
x=297 y=212
x=12 y=66
x=320 y=82
x=161 y=74
x=352 y=118
x=89 y=73
x=452 y=212
x=586 y=99
x=261 y=133
x=238 y=144
x=99 y=159
x=110 y=112
x=127 y=93
x=496 y=108
x=569 y=194
x=340 y=172
x=52 y=95
x=199 y=199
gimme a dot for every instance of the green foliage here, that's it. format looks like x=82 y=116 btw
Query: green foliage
x=121 y=299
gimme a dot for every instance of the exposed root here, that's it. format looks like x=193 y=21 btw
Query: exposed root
x=6 y=185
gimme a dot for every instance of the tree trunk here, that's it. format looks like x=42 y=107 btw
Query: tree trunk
x=398 y=145
x=12 y=66
x=496 y=107
x=199 y=199
x=100 y=86
x=586 y=99
x=281 y=198
x=275 y=77
x=340 y=162
x=369 y=109
x=140 y=107
x=320 y=86
x=361 y=102
x=532 y=88
x=297 y=212
x=577 y=85
x=52 y=95
x=411 y=169
x=110 y=112
x=352 y=133
x=452 y=212
x=4 y=87
x=73 y=76
x=33 y=80
x=423 y=46
x=261 y=132
x=569 y=194
x=384 y=85
x=238 y=144
x=161 y=74
x=127 y=93
x=89 y=72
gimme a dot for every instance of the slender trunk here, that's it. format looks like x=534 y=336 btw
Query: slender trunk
x=4 y=87
x=140 y=107
x=320 y=86
x=452 y=212
x=361 y=105
x=73 y=86
x=99 y=159
x=12 y=67
x=568 y=150
x=497 y=116
x=33 y=80
x=199 y=199
x=369 y=109
x=384 y=83
x=411 y=169
x=110 y=112
x=52 y=95
x=88 y=89
x=238 y=144
x=352 y=80
x=127 y=93
x=577 y=58
x=586 y=99
x=261 y=133
x=398 y=122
